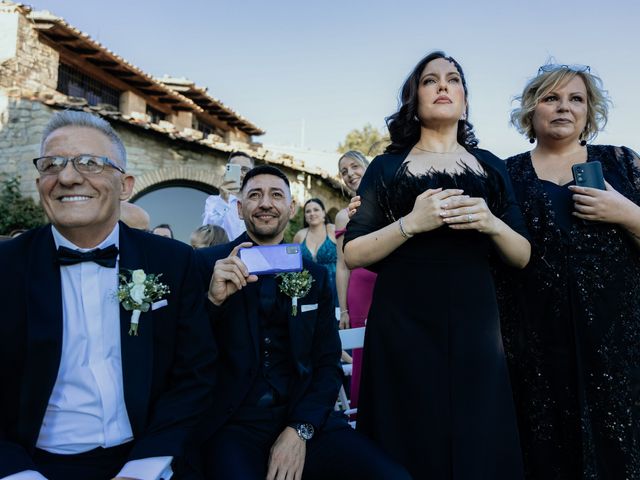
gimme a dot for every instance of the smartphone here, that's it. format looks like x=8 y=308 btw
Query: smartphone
x=589 y=175
x=232 y=174
x=286 y=257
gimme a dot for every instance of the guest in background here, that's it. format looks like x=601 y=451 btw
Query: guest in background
x=222 y=210
x=572 y=321
x=354 y=287
x=164 y=230
x=134 y=216
x=318 y=239
x=434 y=209
x=208 y=236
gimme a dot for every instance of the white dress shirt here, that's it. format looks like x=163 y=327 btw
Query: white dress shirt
x=86 y=409
x=225 y=215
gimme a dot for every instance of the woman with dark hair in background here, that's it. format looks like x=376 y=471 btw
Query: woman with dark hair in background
x=435 y=389
x=355 y=287
x=573 y=338
x=318 y=239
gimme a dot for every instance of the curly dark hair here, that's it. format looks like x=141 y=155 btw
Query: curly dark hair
x=404 y=127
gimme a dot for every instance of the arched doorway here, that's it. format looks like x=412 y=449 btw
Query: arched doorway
x=179 y=203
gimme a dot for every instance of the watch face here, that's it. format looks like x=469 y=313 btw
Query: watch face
x=305 y=430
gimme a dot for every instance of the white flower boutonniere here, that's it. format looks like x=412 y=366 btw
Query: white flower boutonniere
x=137 y=291
x=295 y=285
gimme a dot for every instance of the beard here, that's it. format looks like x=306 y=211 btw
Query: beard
x=266 y=233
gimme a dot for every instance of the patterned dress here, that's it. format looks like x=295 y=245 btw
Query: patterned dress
x=571 y=325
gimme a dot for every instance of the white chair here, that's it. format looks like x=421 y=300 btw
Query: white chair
x=350 y=338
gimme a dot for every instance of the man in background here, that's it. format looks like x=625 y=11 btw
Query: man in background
x=134 y=216
x=222 y=210
x=164 y=230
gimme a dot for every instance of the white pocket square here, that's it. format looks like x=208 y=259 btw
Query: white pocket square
x=308 y=308
x=159 y=304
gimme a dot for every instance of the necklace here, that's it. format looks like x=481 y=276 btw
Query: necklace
x=458 y=149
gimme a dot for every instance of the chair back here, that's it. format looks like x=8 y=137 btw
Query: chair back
x=352 y=338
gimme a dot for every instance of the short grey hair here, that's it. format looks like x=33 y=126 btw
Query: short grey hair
x=75 y=118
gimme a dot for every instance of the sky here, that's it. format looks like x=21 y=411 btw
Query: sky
x=309 y=72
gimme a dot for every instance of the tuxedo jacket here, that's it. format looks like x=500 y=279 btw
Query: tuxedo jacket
x=314 y=341
x=167 y=369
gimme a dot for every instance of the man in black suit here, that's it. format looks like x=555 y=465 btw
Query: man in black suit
x=278 y=370
x=83 y=397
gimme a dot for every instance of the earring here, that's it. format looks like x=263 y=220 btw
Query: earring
x=415 y=118
x=582 y=141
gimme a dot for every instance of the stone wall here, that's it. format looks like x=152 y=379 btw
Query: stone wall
x=21 y=125
x=34 y=66
x=153 y=158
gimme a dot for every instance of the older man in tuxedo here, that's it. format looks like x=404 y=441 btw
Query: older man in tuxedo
x=84 y=395
x=278 y=368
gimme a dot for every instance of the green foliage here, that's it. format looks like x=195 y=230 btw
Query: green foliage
x=295 y=224
x=368 y=140
x=16 y=211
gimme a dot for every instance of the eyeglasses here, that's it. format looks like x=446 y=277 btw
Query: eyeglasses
x=552 y=67
x=85 y=164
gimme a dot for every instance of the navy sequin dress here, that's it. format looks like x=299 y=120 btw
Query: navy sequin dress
x=571 y=322
x=435 y=390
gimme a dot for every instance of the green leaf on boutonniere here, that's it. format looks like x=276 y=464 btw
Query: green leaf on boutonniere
x=137 y=291
x=295 y=285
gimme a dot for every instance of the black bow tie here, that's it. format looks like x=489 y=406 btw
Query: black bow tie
x=105 y=257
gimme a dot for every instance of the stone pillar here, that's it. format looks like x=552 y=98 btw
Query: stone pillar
x=131 y=103
x=181 y=120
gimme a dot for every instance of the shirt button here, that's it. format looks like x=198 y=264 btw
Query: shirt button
x=267 y=364
x=266 y=353
x=267 y=340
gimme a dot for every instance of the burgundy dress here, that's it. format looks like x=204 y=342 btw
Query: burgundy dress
x=359 y=293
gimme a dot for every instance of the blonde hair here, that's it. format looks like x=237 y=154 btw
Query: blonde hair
x=355 y=155
x=597 y=100
x=208 y=236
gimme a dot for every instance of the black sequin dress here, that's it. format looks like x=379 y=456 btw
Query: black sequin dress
x=571 y=325
x=435 y=389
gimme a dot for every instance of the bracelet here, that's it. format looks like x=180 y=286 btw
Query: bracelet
x=403 y=232
x=344 y=311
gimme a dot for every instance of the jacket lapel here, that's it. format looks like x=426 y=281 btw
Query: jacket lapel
x=44 y=334
x=137 y=351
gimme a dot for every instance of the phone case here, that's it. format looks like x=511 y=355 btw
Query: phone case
x=286 y=257
x=589 y=175
x=232 y=173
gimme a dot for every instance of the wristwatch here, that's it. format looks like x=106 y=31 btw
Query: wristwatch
x=304 y=430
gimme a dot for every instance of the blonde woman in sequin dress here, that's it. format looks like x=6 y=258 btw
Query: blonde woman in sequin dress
x=572 y=322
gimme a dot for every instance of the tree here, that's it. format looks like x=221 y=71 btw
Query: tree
x=16 y=211
x=368 y=140
x=295 y=224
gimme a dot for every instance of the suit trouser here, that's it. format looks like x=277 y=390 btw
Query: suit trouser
x=240 y=450
x=97 y=464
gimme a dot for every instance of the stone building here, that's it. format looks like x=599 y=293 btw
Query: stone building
x=177 y=135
